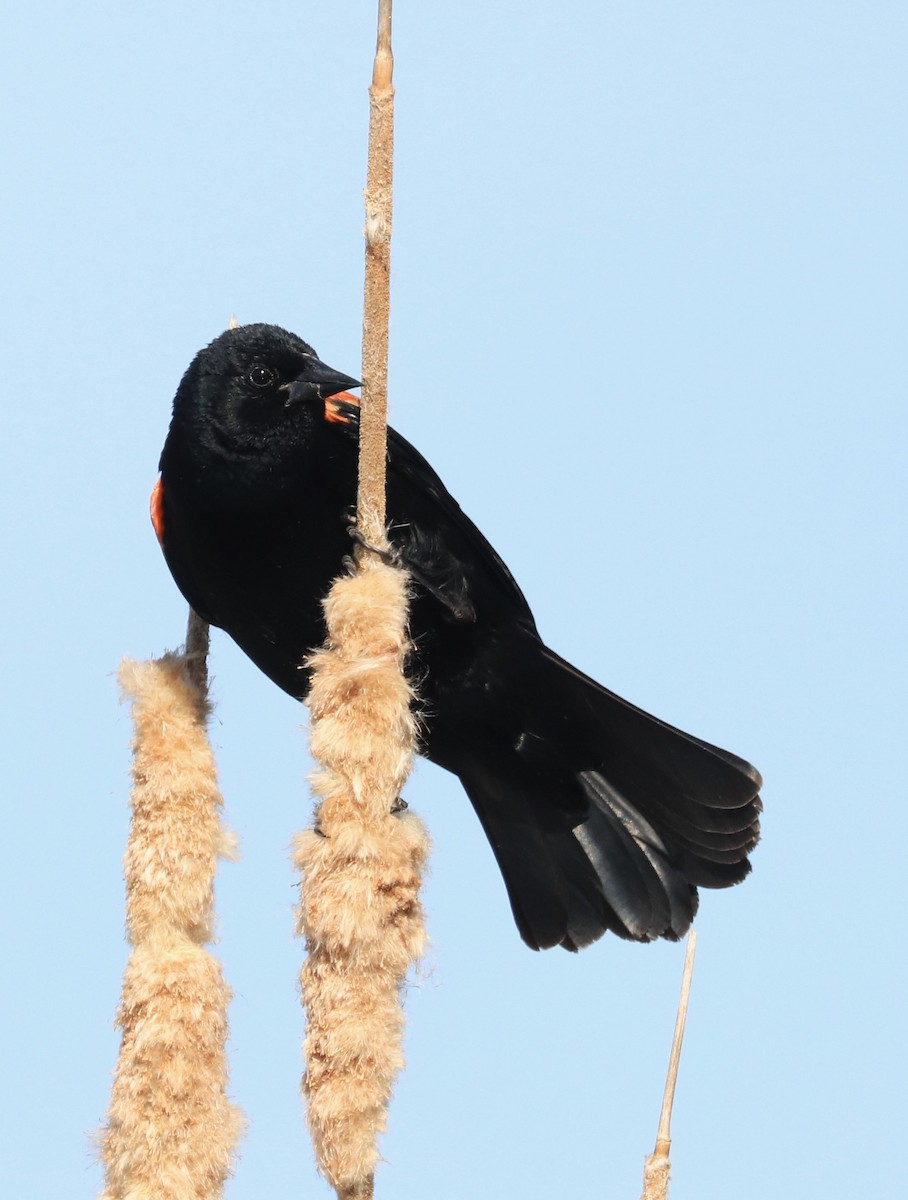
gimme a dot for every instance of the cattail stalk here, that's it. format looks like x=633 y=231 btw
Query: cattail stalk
x=362 y=863
x=377 y=290
x=171 y=1128
x=657 y=1170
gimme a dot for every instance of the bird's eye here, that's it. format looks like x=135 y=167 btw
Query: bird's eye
x=261 y=377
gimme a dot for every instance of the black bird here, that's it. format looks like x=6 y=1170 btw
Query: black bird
x=601 y=816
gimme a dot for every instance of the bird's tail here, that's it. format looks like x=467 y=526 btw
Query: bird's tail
x=603 y=817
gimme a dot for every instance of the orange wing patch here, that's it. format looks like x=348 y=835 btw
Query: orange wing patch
x=156 y=505
x=335 y=408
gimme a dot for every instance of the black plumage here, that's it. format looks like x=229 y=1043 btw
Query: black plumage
x=600 y=815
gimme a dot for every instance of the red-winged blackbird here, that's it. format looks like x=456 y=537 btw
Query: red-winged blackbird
x=601 y=816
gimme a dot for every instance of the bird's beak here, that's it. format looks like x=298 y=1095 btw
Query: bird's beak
x=317 y=381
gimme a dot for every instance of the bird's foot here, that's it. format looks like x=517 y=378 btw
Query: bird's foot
x=400 y=805
x=390 y=558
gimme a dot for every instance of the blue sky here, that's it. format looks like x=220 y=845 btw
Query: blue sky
x=648 y=315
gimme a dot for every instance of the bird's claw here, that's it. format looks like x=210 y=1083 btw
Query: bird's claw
x=389 y=557
x=400 y=805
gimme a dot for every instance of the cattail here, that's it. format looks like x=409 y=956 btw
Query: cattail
x=362 y=867
x=362 y=864
x=171 y=1129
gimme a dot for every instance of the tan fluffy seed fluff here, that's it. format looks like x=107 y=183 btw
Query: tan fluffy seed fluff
x=362 y=866
x=171 y=1129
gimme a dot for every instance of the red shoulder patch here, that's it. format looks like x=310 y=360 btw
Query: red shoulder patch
x=336 y=408
x=156 y=506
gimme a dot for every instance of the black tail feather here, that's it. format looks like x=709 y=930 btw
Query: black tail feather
x=674 y=900
x=603 y=818
x=551 y=883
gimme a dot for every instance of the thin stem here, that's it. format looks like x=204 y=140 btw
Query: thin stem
x=663 y=1137
x=377 y=291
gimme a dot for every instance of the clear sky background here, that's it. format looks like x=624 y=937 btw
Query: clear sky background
x=649 y=315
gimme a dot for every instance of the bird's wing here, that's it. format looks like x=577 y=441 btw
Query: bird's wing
x=437 y=541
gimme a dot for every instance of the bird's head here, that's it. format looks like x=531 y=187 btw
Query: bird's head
x=255 y=384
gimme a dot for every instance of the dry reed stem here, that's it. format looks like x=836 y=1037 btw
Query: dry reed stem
x=377 y=292
x=657 y=1170
x=362 y=868
x=171 y=1129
